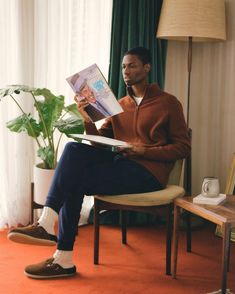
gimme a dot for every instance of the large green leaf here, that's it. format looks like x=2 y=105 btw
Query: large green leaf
x=71 y=125
x=15 y=89
x=50 y=107
x=48 y=157
x=24 y=123
x=72 y=108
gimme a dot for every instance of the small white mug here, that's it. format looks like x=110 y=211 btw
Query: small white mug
x=210 y=187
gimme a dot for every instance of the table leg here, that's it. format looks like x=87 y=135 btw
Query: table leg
x=175 y=238
x=188 y=231
x=225 y=255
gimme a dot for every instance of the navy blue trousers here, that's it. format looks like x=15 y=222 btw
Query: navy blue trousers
x=87 y=170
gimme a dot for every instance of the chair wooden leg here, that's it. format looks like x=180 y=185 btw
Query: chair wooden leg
x=188 y=231
x=229 y=250
x=168 y=239
x=123 y=224
x=32 y=202
x=175 y=239
x=96 y=231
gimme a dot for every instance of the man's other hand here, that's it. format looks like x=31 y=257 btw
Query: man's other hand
x=134 y=150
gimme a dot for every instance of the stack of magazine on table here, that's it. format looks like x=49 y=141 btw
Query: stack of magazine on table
x=200 y=199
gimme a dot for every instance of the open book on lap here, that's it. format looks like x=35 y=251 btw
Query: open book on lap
x=101 y=140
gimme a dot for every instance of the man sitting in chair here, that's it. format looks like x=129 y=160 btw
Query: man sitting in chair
x=152 y=122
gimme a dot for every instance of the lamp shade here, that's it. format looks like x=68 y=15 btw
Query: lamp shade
x=203 y=20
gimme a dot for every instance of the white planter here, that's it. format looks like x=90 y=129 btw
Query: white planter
x=42 y=182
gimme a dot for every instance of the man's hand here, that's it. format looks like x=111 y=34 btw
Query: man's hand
x=134 y=150
x=81 y=105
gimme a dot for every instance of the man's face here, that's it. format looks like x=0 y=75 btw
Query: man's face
x=87 y=93
x=133 y=70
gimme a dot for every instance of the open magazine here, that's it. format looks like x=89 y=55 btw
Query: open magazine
x=90 y=84
x=101 y=140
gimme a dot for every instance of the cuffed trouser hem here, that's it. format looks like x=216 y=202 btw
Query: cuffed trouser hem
x=65 y=245
x=53 y=205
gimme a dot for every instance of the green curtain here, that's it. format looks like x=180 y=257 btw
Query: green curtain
x=134 y=23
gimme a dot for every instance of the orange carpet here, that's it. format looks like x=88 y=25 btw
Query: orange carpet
x=135 y=268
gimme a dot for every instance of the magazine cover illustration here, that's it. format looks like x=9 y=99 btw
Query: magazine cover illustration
x=90 y=84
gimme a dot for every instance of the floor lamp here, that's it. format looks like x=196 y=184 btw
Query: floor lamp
x=192 y=20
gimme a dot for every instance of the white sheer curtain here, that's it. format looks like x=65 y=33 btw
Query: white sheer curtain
x=16 y=59
x=42 y=43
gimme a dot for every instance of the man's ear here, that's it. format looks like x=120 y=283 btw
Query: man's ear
x=147 y=67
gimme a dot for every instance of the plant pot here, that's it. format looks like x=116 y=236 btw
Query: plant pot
x=42 y=181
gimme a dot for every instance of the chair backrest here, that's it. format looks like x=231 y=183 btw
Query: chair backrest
x=175 y=175
x=230 y=183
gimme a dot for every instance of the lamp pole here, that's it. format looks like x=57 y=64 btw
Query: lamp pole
x=190 y=49
x=188 y=161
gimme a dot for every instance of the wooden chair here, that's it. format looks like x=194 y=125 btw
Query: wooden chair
x=229 y=190
x=144 y=202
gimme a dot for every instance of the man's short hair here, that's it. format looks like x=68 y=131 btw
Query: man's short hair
x=142 y=53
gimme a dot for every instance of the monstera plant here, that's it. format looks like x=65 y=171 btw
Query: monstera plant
x=49 y=114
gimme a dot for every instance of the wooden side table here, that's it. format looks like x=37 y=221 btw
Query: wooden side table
x=222 y=215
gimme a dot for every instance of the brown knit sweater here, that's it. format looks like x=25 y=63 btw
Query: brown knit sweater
x=157 y=123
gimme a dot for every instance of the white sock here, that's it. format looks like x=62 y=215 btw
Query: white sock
x=47 y=219
x=63 y=258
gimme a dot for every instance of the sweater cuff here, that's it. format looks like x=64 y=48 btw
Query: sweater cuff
x=90 y=128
